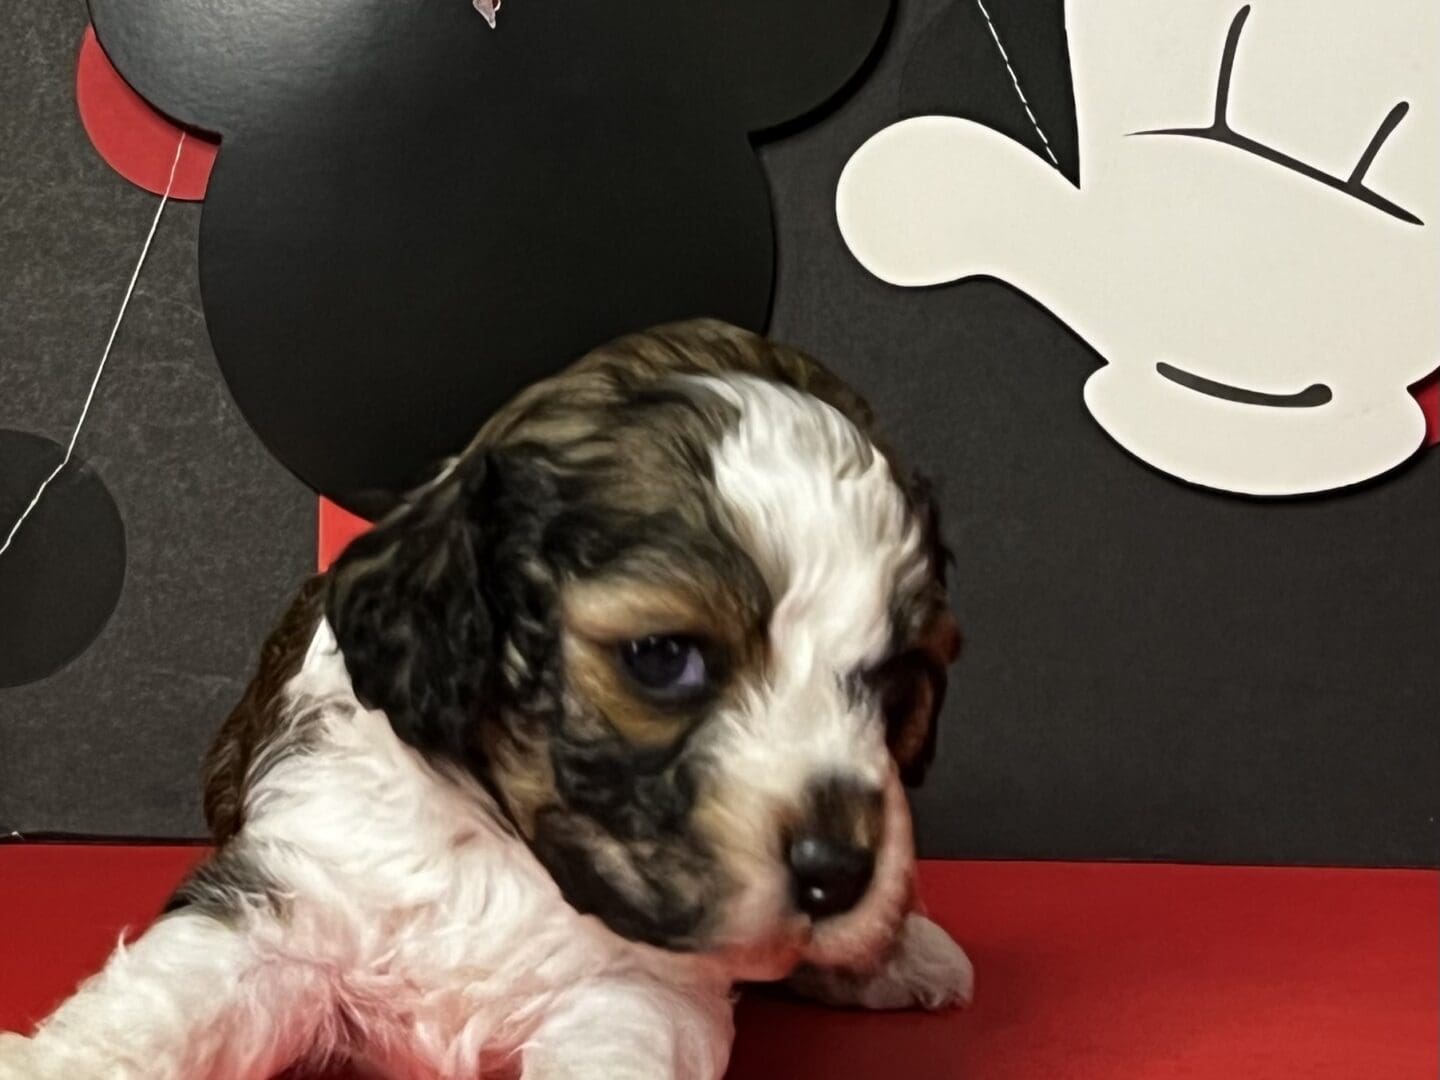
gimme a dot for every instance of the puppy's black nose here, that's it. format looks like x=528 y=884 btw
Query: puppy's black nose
x=829 y=876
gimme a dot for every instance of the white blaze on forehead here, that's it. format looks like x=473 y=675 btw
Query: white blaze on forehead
x=818 y=509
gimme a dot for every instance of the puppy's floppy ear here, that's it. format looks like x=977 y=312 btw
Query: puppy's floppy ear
x=915 y=690
x=408 y=607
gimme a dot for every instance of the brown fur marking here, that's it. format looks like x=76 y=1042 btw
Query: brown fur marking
x=256 y=719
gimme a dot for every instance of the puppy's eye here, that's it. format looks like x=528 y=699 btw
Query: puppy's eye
x=670 y=667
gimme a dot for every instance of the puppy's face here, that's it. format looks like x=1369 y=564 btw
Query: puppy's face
x=682 y=617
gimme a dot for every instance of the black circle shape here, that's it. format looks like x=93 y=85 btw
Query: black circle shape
x=61 y=578
x=413 y=216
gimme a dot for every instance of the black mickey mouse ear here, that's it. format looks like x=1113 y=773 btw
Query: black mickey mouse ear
x=200 y=61
x=413 y=216
x=60 y=579
x=206 y=63
x=782 y=60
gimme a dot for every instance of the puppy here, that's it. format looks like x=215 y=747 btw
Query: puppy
x=612 y=714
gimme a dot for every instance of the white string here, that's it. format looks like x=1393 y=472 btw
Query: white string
x=104 y=356
x=489 y=9
x=1016 y=80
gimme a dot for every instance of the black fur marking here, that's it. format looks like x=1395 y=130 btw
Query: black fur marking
x=406 y=604
x=913 y=772
x=629 y=792
x=920 y=496
x=224 y=886
x=901 y=682
x=657 y=894
x=920 y=492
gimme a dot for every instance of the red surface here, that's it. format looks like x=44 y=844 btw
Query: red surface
x=1085 y=971
x=134 y=139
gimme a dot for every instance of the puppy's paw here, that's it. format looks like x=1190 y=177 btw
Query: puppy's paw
x=553 y=1070
x=15 y=1057
x=925 y=970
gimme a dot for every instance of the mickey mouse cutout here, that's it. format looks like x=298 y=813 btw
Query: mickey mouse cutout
x=1253 y=243
x=412 y=216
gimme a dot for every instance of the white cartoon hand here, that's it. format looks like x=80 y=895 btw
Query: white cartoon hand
x=1254 y=246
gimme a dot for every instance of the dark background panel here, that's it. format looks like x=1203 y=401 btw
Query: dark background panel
x=215 y=531
x=1151 y=670
x=434 y=214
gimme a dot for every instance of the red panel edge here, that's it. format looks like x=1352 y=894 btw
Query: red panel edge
x=335 y=527
x=132 y=137
x=1427 y=393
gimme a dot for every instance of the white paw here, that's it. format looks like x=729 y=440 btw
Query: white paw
x=15 y=1057
x=931 y=965
x=925 y=970
x=612 y=1070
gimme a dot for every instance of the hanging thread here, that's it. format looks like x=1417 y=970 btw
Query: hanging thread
x=104 y=356
x=1015 y=79
x=488 y=10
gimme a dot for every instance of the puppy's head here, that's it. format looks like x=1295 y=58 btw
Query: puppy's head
x=683 y=618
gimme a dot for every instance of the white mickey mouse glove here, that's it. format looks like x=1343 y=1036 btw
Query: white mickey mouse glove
x=1253 y=247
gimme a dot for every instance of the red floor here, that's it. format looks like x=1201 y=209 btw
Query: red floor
x=1085 y=971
